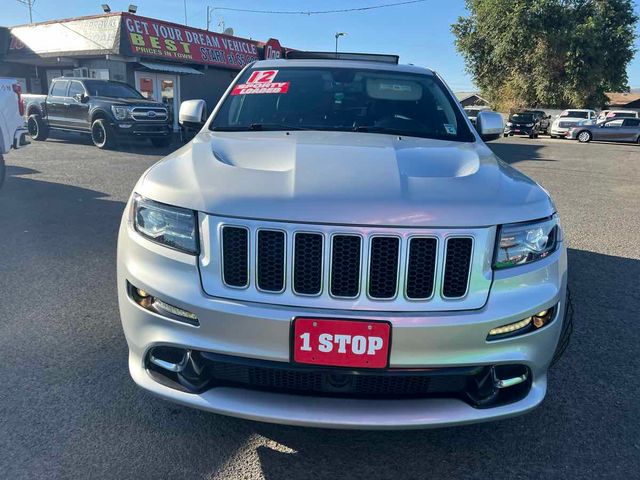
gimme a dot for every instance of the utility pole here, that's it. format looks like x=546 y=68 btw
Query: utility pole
x=29 y=4
x=185 y=12
x=208 y=16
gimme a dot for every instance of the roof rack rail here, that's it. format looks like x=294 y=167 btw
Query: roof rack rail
x=362 y=57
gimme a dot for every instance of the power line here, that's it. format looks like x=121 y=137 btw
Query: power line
x=318 y=12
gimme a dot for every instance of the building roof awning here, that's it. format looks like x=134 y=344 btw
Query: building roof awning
x=165 y=67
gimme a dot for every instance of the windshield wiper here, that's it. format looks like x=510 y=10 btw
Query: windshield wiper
x=256 y=127
x=377 y=129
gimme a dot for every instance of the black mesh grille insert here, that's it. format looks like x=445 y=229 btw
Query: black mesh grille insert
x=235 y=256
x=271 y=256
x=383 y=267
x=457 y=264
x=307 y=268
x=422 y=267
x=345 y=266
x=318 y=382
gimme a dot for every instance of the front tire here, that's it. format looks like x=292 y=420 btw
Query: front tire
x=161 y=142
x=38 y=129
x=102 y=134
x=584 y=137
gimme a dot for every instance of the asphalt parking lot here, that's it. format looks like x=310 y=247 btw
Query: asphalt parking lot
x=68 y=408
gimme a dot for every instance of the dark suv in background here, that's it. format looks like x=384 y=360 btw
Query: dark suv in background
x=523 y=123
x=545 y=120
x=103 y=108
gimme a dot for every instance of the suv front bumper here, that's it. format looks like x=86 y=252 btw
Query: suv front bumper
x=262 y=331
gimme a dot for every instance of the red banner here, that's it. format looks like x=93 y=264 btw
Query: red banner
x=153 y=38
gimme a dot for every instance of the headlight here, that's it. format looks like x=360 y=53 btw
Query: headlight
x=509 y=124
x=170 y=226
x=521 y=243
x=121 y=113
x=529 y=124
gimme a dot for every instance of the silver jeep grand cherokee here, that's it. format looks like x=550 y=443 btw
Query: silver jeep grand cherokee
x=337 y=247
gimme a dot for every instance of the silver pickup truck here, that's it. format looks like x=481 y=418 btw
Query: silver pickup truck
x=337 y=247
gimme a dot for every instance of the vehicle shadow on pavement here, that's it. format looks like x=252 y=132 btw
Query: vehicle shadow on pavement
x=139 y=147
x=586 y=428
x=519 y=152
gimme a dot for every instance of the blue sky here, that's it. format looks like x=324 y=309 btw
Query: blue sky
x=419 y=33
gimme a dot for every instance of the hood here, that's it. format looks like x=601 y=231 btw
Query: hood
x=345 y=178
x=131 y=101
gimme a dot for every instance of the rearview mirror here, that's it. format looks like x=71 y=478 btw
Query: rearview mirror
x=193 y=113
x=490 y=125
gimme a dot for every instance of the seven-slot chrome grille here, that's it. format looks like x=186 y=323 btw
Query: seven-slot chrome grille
x=346 y=267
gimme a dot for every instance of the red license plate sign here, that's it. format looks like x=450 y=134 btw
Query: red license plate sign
x=341 y=343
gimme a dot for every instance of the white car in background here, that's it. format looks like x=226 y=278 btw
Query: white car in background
x=12 y=131
x=571 y=118
x=611 y=114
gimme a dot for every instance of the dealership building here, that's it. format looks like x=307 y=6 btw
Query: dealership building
x=165 y=61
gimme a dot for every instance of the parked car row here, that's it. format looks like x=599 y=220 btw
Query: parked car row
x=583 y=125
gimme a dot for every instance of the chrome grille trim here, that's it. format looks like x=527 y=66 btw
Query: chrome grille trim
x=222 y=268
x=398 y=269
x=405 y=273
x=361 y=272
x=322 y=262
x=140 y=114
x=478 y=282
x=257 y=263
x=442 y=283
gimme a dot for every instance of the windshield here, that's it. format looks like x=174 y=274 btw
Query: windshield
x=574 y=114
x=110 y=89
x=521 y=117
x=342 y=99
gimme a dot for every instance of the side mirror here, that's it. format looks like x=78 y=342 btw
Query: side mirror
x=81 y=98
x=193 y=113
x=490 y=125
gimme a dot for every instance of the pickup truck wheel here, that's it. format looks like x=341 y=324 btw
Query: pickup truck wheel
x=584 y=137
x=38 y=130
x=161 y=142
x=2 y=170
x=102 y=134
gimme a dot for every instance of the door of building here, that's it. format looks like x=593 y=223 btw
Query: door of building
x=163 y=88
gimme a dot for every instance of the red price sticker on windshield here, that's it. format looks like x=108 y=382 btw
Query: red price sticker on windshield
x=260 y=82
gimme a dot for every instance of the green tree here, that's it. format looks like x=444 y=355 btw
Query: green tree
x=553 y=53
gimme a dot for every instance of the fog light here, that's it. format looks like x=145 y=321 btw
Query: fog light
x=525 y=325
x=154 y=304
x=511 y=327
x=174 y=310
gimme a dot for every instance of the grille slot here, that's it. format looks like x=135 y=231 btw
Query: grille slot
x=383 y=267
x=456 y=267
x=271 y=257
x=307 y=263
x=345 y=266
x=421 y=268
x=235 y=256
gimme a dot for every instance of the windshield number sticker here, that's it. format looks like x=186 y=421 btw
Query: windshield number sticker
x=451 y=130
x=261 y=81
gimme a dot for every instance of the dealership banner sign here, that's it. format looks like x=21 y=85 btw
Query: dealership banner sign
x=149 y=37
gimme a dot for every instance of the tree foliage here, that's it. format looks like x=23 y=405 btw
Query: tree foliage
x=553 y=53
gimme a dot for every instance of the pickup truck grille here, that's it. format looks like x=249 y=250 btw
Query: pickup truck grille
x=352 y=267
x=149 y=114
x=566 y=124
